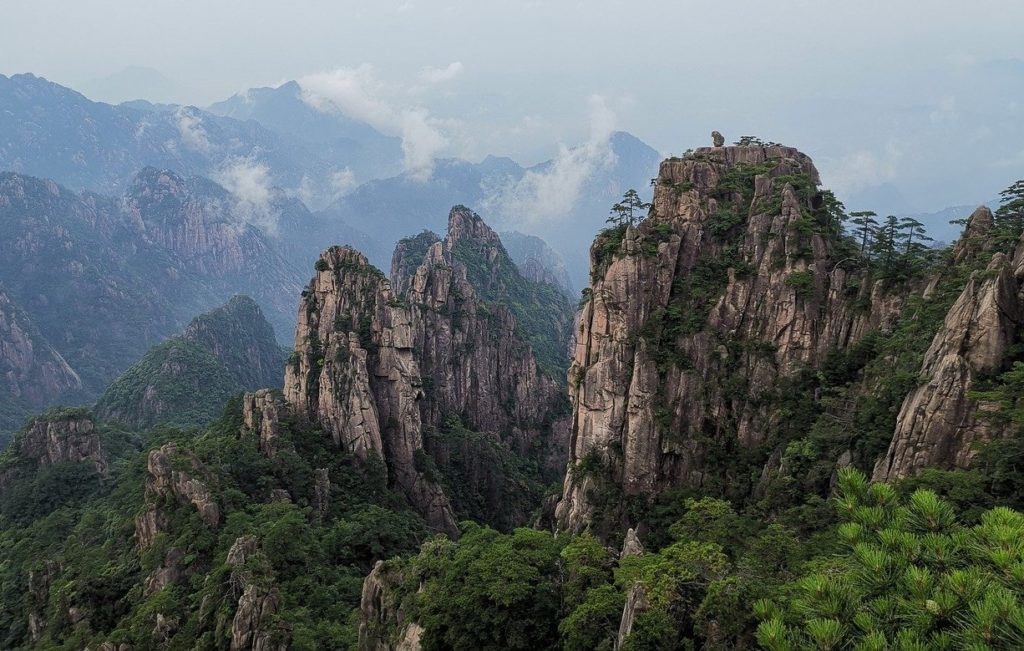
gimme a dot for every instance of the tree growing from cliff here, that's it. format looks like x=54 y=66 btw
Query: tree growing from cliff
x=629 y=210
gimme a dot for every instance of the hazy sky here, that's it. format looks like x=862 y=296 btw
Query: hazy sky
x=917 y=103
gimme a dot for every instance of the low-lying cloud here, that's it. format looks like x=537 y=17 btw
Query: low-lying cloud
x=250 y=183
x=553 y=191
x=190 y=127
x=358 y=93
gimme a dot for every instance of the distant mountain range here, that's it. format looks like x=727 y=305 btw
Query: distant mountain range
x=271 y=139
x=51 y=131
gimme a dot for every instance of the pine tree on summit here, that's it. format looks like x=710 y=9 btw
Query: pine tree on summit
x=628 y=211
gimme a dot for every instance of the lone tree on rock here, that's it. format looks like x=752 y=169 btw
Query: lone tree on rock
x=628 y=211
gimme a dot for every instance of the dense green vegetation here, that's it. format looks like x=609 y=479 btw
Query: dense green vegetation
x=186 y=380
x=542 y=312
x=778 y=548
x=177 y=382
x=85 y=524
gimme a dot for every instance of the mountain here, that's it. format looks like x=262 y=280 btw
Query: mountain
x=393 y=207
x=537 y=261
x=350 y=143
x=740 y=366
x=52 y=131
x=187 y=380
x=91 y=282
x=32 y=370
x=457 y=357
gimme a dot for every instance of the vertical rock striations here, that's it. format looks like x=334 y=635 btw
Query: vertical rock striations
x=939 y=421
x=354 y=373
x=385 y=365
x=474 y=353
x=696 y=314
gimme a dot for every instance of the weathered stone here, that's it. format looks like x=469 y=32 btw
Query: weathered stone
x=631 y=546
x=645 y=404
x=939 y=421
x=66 y=437
x=717 y=139
x=382 y=623
x=186 y=487
x=636 y=604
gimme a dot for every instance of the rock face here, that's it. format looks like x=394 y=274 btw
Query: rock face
x=636 y=604
x=378 y=367
x=696 y=313
x=261 y=415
x=477 y=363
x=255 y=626
x=31 y=371
x=68 y=436
x=383 y=626
x=938 y=422
x=537 y=261
x=354 y=373
x=167 y=480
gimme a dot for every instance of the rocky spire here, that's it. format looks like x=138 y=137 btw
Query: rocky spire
x=353 y=372
x=696 y=314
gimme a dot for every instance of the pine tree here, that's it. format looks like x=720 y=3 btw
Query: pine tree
x=1009 y=217
x=867 y=227
x=628 y=210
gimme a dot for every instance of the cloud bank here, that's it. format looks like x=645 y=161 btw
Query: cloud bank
x=358 y=93
x=552 y=191
x=250 y=184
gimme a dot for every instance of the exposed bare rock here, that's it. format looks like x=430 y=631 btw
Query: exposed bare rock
x=717 y=139
x=163 y=629
x=169 y=573
x=476 y=361
x=356 y=376
x=31 y=371
x=185 y=486
x=631 y=546
x=636 y=603
x=976 y=236
x=321 y=494
x=261 y=414
x=66 y=437
x=938 y=421
x=697 y=313
x=382 y=623
x=255 y=626
x=39 y=581
x=538 y=262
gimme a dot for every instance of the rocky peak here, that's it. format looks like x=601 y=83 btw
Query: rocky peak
x=976 y=237
x=464 y=225
x=60 y=436
x=939 y=422
x=696 y=313
x=354 y=373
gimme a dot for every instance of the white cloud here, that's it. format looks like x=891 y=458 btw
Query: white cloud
x=552 y=192
x=861 y=170
x=249 y=182
x=342 y=182
x=190 y=126
x=430 y=75
x=359 y=94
